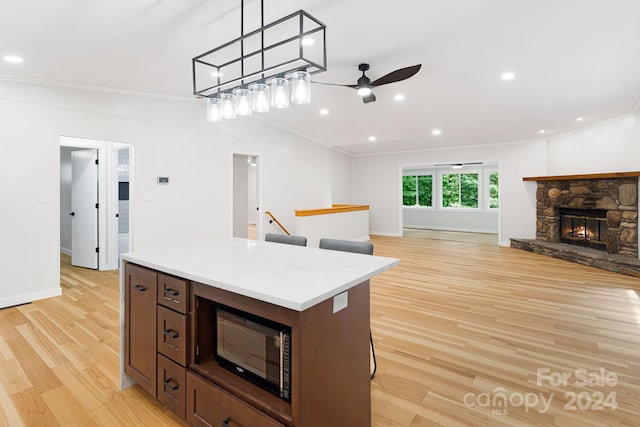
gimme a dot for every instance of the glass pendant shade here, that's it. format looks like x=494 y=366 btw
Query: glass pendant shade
x=260 y=97
x=300 y=87
x=243 y=101
x=214 y=114
x=279 y=93
x=228 y=106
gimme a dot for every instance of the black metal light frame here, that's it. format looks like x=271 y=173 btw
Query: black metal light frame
x=206 y=62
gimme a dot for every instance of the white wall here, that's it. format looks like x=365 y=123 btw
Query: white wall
x=171 y=138
x=341 y=180
x=377 y=182
x=610 y=146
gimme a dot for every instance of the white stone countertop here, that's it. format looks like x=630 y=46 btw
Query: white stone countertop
x=290 y=276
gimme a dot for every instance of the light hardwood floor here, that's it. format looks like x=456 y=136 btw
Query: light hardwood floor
x=455 y=324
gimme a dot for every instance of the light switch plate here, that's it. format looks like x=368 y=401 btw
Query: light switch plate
x=340 y=301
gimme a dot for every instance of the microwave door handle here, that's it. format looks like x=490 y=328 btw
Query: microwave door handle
x=281 y=363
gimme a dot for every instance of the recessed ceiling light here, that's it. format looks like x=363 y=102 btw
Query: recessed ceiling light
x=307 y=41
x=541 y=131
x=324 y=111
x=507 y=76
x=399 y=97
x=579 y=119
x=372 y=138
x=436 y=132
x=13 y=59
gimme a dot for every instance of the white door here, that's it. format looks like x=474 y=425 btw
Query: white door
x=84 y=208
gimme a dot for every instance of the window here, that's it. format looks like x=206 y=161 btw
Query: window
x=460 y=190
x=417 y=190
x=493 y=190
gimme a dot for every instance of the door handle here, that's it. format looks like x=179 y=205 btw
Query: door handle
x=171 y=333
x=171 y=292
x=225 y=422
x=139 y=288
x=171 y=385
x=72 y=214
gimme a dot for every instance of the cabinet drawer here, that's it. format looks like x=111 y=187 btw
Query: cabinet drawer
x=209 y=405
x=173 y=292
x=172 y=335
x=171 y=385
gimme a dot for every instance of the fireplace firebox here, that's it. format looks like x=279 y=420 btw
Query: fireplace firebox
x=585 y=227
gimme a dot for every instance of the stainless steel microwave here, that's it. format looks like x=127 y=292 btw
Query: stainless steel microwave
x=256 y=348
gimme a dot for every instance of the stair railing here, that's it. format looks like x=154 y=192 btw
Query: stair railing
x=273 y=219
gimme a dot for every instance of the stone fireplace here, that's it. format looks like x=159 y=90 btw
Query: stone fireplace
x=579 y=217
x=613 y=201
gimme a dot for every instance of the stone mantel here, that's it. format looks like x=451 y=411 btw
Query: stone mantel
x=582 y=176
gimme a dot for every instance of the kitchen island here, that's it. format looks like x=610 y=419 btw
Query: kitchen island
x=321 y=295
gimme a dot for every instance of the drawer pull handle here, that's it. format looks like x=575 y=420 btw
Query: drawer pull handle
x=171 y=292
x=225 y=422
x=171 y=333
x=139 y=288
x=171 y=385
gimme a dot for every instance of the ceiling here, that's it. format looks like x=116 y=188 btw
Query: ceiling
x=571 y=58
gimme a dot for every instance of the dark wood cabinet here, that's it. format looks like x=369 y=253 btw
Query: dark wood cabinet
x=140 y=326
x=170 y=349
x=209 y=405
x=172 y=385
x=172 y=335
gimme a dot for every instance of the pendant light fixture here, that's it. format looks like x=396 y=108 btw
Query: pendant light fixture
x=228 y=106
x=300 y=87
x=260 y=97
x=243 y=101
x=214 y=114
x=268 y=73
x=279 y=93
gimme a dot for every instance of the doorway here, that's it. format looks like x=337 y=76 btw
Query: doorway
x=456 y=201
x=81 y=242
x=246 y=196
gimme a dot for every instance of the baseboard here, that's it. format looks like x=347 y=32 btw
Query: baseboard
x=26 y=298
x=65 y=251
x=384 y=233
x=458 y=229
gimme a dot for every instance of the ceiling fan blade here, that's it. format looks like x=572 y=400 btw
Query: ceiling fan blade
x=397 y=75
x=458 y=164
x=336 y=84
x=369 y=98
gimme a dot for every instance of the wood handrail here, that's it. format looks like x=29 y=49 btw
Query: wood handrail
x=273 y=219
x=335 y=208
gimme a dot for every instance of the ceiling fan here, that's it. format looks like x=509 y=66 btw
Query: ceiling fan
x=364 y=85
x=458 y=165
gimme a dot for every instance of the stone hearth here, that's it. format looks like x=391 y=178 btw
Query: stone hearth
x=581 y=255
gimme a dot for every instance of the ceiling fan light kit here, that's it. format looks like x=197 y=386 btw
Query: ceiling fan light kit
x=273 y=62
